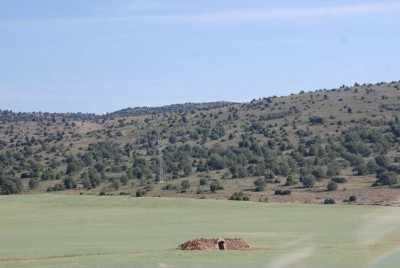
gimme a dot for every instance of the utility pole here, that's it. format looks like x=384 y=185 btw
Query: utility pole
x=160 y=161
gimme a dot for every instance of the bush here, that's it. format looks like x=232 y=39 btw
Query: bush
x=168 y=186
x=199 y=191
x=140 y=193
x=260 y=185
x=115 y=185
x=315 y=120
x=339 y=180
x=10 y=185
x=203 y=181
x=33 y=184
x=386 y=178
x=360 y=170
x=308 y=181
x=329 y=201
x=25 y=175
x=318 y=173
x=56 y=188
x=239 y=196
x=69 y=183
x=382 y=161
x=285 y=192
x=332 y=186
x=290 y=181
x=185 y=184
x=353 y=198
x=215 y=186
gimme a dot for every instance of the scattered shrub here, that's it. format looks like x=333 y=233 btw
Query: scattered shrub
x=56 y=188
x=25 y=175
x=290 y=181
x=215 y=186
x=332 y=186
x=140 y=193
x=185 y=184
x=69 y=183
x=168 y=186
x=200 y=191
x=308 y=181
x=260 y=184
x=284 y=192
x=339 y=180
x=203 y=181
x=353 y=198
x=33 y=184
x=386 y=178
x=329 y=201
x=239 y=196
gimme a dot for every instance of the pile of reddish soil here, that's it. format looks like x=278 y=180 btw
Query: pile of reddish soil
x=212 y=244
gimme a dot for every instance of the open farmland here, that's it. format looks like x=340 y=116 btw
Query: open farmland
x=89 y=231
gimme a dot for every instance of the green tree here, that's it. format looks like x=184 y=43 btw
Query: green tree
x=386 y=178
x=332 y=186
x=185 y=184
x=203 y=181
x=69 y=183
x=382 y=161
x=349 y=110
x=33 y=184
x=290 y=181
x=216 y=162
x=308 y=181
x=72 y=168
x=260 y=184
x=372 y=166
x=173 y=139
x=10 y=185
x=215 y=186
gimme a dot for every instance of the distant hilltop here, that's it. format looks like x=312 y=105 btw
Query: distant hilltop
x=10 y=116
x=185 y=107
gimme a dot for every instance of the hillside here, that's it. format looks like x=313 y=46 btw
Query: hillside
x=275 y=149
x=10 y=116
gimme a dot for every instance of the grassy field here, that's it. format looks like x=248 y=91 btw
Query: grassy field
x=88 y=231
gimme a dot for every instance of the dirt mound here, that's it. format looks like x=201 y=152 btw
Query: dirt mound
x=214 y=244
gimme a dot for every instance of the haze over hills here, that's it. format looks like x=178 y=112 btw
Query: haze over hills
x=325 y=145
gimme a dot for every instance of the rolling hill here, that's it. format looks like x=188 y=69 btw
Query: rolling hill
x=338 y=145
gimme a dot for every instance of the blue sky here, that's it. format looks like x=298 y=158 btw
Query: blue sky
x=102 y=55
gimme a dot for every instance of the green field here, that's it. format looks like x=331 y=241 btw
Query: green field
x=88 y=231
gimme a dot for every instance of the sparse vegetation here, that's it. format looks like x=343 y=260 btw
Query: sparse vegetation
x=329 y=201
x=332 y=186
x=239 y=196
x=352 y=198
x=229 y=147
x=283 y=192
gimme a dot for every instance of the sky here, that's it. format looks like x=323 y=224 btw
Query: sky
x=99 y=56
